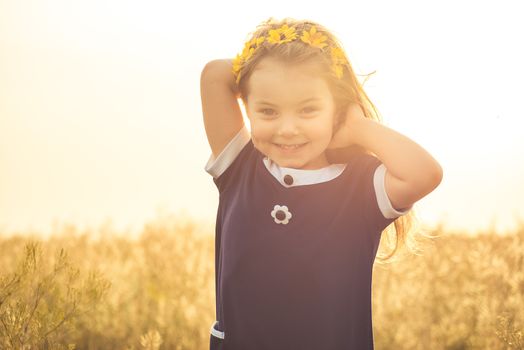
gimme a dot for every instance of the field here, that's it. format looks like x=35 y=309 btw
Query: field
x=96 y=290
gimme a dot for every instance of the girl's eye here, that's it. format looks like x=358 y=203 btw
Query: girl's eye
x=267 y=112
x=309 y=110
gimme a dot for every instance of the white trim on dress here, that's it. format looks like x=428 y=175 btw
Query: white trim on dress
x=383 y=201
x=216 y=332
x=216 y=167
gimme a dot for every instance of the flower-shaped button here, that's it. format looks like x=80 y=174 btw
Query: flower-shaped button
x=281 y=214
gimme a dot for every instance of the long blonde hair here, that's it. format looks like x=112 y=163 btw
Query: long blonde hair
x=345 y=90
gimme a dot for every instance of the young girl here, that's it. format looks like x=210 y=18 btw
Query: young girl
x=305 y=195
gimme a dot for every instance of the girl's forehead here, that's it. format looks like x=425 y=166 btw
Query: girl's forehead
x=292 y=83
x=287 y=90
x=289 y=98
x=273 y=68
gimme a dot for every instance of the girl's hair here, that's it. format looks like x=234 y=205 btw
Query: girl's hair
x=345 y=90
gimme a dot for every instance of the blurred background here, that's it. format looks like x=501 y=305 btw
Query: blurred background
x=101 y=122
x=107 y=214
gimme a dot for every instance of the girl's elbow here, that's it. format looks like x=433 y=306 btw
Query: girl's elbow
x=428 y=179
x=435 y=176
x=440 y=173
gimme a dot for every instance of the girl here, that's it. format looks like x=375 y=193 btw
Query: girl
x=305 y=195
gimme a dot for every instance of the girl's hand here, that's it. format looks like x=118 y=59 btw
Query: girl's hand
x=344 y=136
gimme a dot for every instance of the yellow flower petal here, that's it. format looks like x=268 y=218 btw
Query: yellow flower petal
x=260 y=40
x=274 y=36
x=339 y=71
x=314 y=38
x=237 y=64
x=337 y=54
x=289 y=33
x=305 y=37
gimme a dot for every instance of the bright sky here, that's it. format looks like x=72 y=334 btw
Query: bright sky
x=100 y=115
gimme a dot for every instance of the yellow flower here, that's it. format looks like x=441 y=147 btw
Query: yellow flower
x=275 y=35
x=237 y=64
x=338 y=55
x=258 y=41
x=339 y=70
x=247 y=52
x=339 y=60
x=314 y=38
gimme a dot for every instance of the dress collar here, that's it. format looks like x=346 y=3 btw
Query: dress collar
x=290 y=177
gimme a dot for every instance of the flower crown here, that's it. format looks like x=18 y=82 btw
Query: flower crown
x=286 y=34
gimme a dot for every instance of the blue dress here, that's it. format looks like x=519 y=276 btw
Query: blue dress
x=294 y=250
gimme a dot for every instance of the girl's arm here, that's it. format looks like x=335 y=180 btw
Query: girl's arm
x=219 y=95
x=412 y=172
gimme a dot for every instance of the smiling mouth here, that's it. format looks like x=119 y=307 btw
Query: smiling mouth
x=290 y=147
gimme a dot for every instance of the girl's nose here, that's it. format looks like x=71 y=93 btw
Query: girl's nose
x=287 y=127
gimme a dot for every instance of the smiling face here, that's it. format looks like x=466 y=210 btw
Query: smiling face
x=291 y=111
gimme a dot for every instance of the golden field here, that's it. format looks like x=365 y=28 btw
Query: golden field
x=97 y=290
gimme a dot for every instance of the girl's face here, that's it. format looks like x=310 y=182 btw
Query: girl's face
x=291 y=112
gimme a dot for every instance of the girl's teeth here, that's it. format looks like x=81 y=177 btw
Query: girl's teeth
x=289 y=147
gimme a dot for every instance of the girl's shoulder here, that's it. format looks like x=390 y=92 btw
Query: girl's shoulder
x=227 y=166
x=216 y=166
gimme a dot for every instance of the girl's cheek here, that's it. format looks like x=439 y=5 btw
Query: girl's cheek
x=254 y=138
x=256 y=144
x=262 y=134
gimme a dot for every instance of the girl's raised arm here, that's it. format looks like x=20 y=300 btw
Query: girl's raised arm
x=219 y=95
x=412 y=172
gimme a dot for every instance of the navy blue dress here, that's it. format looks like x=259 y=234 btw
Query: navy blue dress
x=294 y=251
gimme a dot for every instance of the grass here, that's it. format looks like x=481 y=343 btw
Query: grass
x=102 y=291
